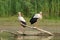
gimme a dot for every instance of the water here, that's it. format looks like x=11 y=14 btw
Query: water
x=31 y=38
x=34 y=38
x=9 y=36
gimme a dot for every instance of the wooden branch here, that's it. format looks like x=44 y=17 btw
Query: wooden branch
x=38 y=29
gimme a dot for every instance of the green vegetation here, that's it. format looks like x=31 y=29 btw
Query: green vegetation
x=7 y=36
x=50 y=8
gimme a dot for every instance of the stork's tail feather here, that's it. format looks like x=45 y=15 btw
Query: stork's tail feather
x=23 y=25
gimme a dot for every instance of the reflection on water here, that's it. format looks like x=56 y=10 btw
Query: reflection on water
x=28 y=38
x=8 y=38
x=34 y=38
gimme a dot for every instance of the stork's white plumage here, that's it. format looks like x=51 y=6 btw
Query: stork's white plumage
x=38 y=15
x=35 y=17
x=21 y=19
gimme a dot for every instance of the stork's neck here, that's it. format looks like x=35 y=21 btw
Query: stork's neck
x=19 y=15
x=41 y=14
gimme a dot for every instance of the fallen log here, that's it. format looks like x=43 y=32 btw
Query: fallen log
x=39 y=29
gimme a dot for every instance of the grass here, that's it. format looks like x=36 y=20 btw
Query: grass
x=13 y=21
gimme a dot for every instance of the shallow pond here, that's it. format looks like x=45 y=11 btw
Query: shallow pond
x=31 y=38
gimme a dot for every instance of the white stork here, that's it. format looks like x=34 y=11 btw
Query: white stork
x=21 y=19
x=34 y=20
x=23 y=22
x=35 y=17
